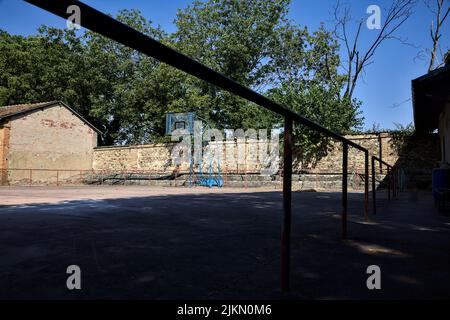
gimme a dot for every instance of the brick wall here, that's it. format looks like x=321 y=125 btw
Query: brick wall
x=52 y=138
x=4 y=150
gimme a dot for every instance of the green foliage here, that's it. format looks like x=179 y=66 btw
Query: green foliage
x=40 y=68
x=322 y=105
x=126 y=94
x=121 y=97
x=401 y=135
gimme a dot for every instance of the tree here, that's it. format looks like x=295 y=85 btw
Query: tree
x=240 y=40
x=254 y=43
x=440 y=13
x=127 y=94
x=121 y=79
x=356 y=58
x=104 y=81
x=41 y=68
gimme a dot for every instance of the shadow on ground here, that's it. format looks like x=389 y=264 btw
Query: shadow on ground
x=223 y=246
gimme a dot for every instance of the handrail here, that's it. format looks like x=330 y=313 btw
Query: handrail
x=382 y=161
x=109 y=27
x=393 y=180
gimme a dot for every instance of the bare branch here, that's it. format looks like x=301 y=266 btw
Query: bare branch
x=441 y=15
x=396 y=15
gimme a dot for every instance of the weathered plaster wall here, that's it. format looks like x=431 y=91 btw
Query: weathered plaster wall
x=52 y=138
x=4 y=148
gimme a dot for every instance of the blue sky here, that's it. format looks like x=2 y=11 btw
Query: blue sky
x=387 y=81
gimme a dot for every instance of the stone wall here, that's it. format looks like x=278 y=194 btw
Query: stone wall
x=379 y=145
x=157 y=157
x=417 y=157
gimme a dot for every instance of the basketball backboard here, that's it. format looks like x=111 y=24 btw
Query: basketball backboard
x=176 y=121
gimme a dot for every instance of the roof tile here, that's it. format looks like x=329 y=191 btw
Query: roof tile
x=6 y=111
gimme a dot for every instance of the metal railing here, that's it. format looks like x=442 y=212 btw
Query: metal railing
x=316 y=179
x=393 y=181
x=109 y=27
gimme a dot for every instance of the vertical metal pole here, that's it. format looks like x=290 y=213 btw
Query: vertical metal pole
x=344 y=189
x=245 y=179
x=287 y=205
x=31 y=172
x=388 y=178
x=399 y=185
x=374 y=190
x=393 y=181
x=57 y=178
x=366 y=186
x=397 y=180
x=380 y=154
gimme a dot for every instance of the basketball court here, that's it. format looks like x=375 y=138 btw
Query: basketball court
x=184 y=243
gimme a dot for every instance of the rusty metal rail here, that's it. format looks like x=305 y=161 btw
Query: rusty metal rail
x=62 y=177
x=109 y=27
x=392 y=179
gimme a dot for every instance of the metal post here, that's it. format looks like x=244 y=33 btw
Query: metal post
x=245 y=179
x=374 y=190
x=393 y=183
x=31 y=172
x=287 y=205
x=366 y=186
x=57 y=178
x=344 y=189
x=388 y=178
x=380 y=154
x=399 y=184
x=176 y=177
x=397 y=179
